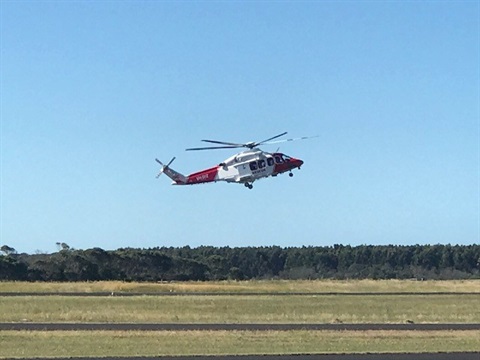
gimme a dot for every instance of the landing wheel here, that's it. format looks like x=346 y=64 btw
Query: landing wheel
x=291 y=174
x=250 y=186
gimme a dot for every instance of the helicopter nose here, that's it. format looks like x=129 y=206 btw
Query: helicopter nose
x=297 y=163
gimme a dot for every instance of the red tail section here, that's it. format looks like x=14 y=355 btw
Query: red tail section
x=203 y=176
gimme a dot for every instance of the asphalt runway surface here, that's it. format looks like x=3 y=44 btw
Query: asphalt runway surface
x=173 y=293
x=229 y=327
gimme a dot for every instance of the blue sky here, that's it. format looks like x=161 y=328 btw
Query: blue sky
x=93 y=91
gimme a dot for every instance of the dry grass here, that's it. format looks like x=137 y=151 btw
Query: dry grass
x=244 y=309
x=267 y=286
x=137 y=343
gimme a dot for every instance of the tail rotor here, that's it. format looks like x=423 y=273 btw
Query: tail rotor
x=163 y=166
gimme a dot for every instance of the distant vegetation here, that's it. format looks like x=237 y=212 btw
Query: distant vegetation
x=212 y=263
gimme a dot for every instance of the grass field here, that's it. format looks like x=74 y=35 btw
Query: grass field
x=267 y=286
x=263 y=307
x=244 y=309
x=135 y=343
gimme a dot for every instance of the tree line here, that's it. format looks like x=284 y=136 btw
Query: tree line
x=244 y=263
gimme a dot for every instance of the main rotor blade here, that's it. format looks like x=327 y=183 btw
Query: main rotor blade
x=223 y=143
x=274 y=137
x=230 y=145
x=294 y=139
x=214 y=148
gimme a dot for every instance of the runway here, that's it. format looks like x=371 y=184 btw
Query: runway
x=239 y=327
x=129 y=294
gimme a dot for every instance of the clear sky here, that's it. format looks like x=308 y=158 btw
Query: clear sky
x=93 y=91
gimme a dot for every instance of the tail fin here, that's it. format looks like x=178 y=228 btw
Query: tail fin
x=178 y=178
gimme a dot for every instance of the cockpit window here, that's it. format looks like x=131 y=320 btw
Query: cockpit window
x=278 y=159
x=286 y=158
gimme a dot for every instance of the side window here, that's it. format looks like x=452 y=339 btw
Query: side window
x=261 y=164
x=278 y=159
x=270 y=161
x=253 y=165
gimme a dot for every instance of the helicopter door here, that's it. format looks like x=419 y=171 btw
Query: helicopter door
x=244 y=171
x=258 y=168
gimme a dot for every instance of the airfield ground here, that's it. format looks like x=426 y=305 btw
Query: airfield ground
x=327 y=302
x=266 y=286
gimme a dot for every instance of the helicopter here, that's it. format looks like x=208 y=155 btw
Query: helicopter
x=242 y=168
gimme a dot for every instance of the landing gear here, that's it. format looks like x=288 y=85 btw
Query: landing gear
x=248 y=185
x=290 y=174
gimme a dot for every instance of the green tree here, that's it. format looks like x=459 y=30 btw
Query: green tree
x=7 y=250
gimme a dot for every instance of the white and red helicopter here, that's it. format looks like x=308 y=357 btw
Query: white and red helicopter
x=242 y=168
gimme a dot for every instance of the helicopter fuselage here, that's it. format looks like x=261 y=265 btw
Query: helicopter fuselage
x=244 y=167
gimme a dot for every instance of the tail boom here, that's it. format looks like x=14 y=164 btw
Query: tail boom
x=199 y=177
x=204 y=176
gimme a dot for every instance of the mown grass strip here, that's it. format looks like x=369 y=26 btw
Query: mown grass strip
x=260 y=286
x=22 y=344
x=244 y=309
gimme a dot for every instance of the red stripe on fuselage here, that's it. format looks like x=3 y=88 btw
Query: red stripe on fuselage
x=288 y=165
x=207 y=175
